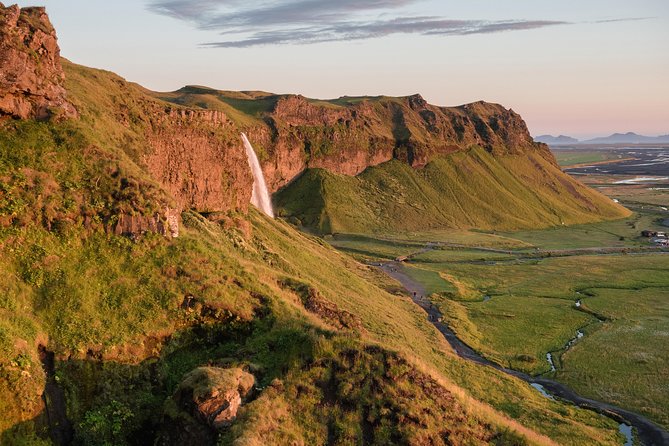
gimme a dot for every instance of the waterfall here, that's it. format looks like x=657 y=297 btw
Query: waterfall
x=260 y=196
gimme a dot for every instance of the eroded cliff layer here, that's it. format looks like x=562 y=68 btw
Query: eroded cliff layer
x=31 y=76
x=348 y=135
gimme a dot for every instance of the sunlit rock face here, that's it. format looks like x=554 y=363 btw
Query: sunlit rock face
x=31 y=75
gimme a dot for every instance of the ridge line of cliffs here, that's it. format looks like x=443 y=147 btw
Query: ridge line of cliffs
x=190 y=139
x=346 y=139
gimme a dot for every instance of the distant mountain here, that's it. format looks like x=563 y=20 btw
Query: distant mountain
x=556 y=140
x=628 y=138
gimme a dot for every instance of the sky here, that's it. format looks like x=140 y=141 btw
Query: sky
x=577 y=67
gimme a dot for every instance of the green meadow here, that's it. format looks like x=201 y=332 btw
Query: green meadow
x=566 y=157
x=514 y=309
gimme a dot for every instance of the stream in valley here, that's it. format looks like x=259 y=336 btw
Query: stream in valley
x=647 y=432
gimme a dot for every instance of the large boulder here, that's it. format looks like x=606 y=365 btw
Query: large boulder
x=214 y=395
x=205 y=403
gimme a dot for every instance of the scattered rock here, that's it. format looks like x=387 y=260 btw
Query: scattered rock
x=165 y=223
x=323 y=308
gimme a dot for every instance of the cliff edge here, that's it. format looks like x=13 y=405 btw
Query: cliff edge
x=31 y=75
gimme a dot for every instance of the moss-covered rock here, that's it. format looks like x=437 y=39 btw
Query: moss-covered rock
x=206 y=402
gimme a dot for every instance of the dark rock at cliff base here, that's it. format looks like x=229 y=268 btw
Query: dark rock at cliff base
x=31 y=76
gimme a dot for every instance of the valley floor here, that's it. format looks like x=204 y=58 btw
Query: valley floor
x=585 y=305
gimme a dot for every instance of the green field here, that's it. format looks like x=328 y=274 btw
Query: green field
x=637 y=196
x=630 y=354
x=566 y=158
x=532 y=307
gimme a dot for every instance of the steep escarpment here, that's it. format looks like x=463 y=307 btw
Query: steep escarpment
x=472 y=166
x=348 y=135
x=31 y=76
x=198 y=160
x=195 y=156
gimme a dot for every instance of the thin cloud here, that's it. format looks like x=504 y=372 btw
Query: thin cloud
x=235 y=15
x=247 y=23
x=362 y=31
x=630 y=19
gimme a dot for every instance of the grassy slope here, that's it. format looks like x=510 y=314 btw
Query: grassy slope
x=463 y=190
x=396 y=323
x=111 y=310
x=139 y=296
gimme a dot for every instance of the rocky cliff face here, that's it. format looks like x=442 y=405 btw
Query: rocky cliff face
x=346 y=137
x=31 y=76
x=198 y=157
x=297 y=135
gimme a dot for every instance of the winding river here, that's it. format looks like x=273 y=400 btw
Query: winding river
x=647 y=432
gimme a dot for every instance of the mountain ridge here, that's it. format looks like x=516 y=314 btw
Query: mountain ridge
x=615 y=138
x=627 y=138
x=188 y=141
x=562 y=139
x=348 y=135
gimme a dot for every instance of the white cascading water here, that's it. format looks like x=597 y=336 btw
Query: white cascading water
x=260 y=196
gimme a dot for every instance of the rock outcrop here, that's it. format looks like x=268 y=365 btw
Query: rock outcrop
x=205 y=403
x=31 y=76
x=165 y=223
x=214 y=395
x=198 y=157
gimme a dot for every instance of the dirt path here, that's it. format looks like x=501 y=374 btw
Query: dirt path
x=647 y=432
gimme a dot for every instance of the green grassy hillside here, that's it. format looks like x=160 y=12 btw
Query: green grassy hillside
x=111 y=311
x=470 y=189
x=338 y=359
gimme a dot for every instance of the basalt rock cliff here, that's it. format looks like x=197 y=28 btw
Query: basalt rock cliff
x=348 y=135
x=355 y=137
x=31 y=76
x=398 y=164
